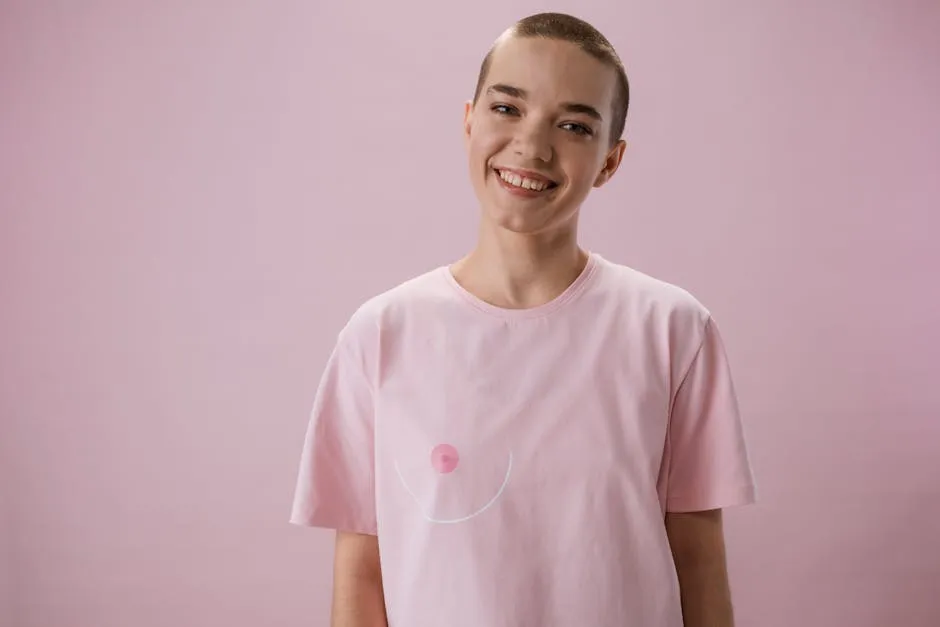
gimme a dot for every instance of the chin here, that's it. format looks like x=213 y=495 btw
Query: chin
x=519 y=227
x=522 y=222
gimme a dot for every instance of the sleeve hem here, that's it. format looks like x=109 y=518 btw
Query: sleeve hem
x=745 y=495
x=317 y=523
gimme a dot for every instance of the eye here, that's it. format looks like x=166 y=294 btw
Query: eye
x=504 y=109
x=577 y=129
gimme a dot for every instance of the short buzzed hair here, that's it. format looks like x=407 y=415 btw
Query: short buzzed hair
x=564 y=27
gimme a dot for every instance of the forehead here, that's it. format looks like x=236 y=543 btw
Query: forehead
x=552 y=70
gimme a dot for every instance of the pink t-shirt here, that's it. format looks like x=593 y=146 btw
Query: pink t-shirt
x=516 y=465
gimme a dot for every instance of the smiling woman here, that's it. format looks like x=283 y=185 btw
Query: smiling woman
x=517 y=356
x=545 y=111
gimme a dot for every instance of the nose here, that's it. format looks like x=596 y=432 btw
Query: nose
x=532 y=143
x=444 y=458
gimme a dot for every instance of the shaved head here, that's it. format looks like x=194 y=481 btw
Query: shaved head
x=563 y=27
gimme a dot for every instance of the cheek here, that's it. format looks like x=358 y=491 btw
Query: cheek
x=488 y=137
x=476 y=157
x=582 y=168
x=481 y=151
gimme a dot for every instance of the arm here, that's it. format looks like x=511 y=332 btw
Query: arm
x=358 y=595
x=698 y=549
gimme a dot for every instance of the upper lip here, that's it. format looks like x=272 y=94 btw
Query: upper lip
x=529 y=174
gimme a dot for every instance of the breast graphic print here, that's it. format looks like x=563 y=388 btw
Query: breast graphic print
x=449 y=487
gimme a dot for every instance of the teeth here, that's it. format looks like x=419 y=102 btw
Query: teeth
x=523 y=182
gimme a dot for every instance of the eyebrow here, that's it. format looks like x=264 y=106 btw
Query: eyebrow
x=571 y=107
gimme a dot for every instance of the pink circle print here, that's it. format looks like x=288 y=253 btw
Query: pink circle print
x=444 y=458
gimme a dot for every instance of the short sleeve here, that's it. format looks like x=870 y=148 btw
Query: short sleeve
x=336 y=486
x=706 y=464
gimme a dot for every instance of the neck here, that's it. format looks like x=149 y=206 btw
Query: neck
x=518 y=271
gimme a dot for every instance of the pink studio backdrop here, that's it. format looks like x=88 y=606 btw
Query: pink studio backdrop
x=195 y=195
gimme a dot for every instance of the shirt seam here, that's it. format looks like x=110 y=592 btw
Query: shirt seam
x=672 y=407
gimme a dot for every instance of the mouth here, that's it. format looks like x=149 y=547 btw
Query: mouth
x=524 y=183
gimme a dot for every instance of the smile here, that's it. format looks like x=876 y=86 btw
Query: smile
x=524 y=183
x=446 y=521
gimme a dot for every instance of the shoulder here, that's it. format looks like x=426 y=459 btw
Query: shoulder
x=425 y=292
x=652 y=298
x=668 y=320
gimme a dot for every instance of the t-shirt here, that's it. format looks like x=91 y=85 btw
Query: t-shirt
x=517 y=465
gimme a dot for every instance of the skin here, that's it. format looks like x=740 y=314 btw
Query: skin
x=527 y=251
x=358 y=594
x=698 y=550
x=545 y=109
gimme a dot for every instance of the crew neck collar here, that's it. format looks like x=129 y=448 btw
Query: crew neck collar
x=568 y=295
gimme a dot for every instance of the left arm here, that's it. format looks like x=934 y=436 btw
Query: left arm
x=698 y=549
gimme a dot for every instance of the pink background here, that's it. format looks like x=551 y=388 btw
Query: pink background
x=195 y=195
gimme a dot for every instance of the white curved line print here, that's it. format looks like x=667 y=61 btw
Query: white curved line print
x=448 y=521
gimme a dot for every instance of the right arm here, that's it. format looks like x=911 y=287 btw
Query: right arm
x=358 y=595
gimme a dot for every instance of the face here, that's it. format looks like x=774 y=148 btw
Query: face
x=538 y=137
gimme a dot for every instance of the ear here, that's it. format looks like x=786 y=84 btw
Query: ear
x=611 y=163
x=467 y=120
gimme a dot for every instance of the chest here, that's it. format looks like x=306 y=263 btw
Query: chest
x=553 y=408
